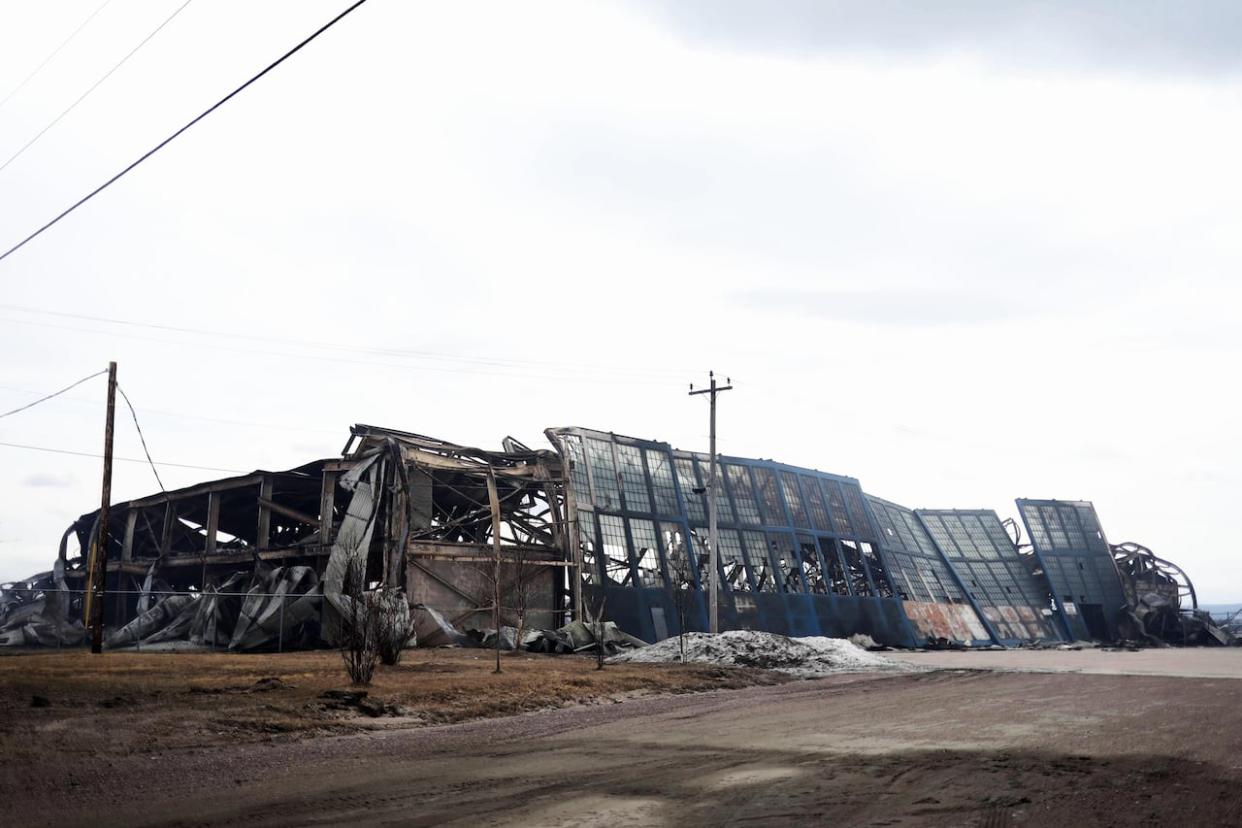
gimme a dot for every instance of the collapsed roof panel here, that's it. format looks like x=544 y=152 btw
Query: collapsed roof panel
x=931 y=592
x=1002 y=583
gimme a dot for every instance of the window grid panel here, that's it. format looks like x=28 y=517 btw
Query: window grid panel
x=724 y=510
x=578 y=469
x=769 y=498
x=996 y=575
x=761 y=570
x=633 y=481
x=814 y=499
x=587 y=541
x=785 y=560
x=603 y=474
x=836 y=506
x=858 y=512
x=812 y=567
x=615 y=550
x=663 y=489
x=679 y=559
x=838 y=581
x=696 y=504
x=646 y=553
x=789 y=485
x=743 y=494
x=732 y=562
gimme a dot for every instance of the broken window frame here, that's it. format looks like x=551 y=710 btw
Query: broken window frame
x=735 y=574
x=615 y=551
x=645 y=549
x=783 y=555
x=812 y=565
x=856 y=568
x=763 y=573
x=588 y=542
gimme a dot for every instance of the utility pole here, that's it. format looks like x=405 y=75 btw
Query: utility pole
x=98 y=583
x=714 y=562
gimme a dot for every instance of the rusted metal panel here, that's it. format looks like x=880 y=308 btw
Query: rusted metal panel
x=955 y=622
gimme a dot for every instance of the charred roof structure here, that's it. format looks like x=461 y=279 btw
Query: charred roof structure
x=601 y=522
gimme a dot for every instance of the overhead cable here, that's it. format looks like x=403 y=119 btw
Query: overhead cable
x=94 y=86
x=170 y=138
x=50 y=396
x=499 y=371
x=141 y=437
x=360 y=348
x=54 y=53
x=121 y=459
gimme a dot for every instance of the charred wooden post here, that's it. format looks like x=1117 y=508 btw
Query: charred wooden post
x=99 y=565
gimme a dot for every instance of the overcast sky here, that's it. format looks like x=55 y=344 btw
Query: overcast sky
x=963 y=251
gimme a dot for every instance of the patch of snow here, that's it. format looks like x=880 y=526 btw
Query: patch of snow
x=811 y=656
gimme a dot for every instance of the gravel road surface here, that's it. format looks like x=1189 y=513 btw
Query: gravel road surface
x=924 y=748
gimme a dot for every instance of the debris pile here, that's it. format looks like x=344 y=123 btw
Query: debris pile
x=577 y=637
x=36 y=611
x=434 y=630
x=812 y=656
x=247 y=612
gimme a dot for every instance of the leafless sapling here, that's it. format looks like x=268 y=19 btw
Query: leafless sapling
x=358 y=631
x=681 y=576
x=597 y=626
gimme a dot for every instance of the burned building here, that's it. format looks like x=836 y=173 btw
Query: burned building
x=598 y=524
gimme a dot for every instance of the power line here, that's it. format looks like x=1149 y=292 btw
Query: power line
x=124 y=459
x=170 y=138
x=54 y=53
x=500 y=372
x=182 y=415
x=94 y=86
x=362 y=349
x=141 y=437
x=50 y=396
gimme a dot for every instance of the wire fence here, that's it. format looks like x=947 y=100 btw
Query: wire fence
x=32 y=594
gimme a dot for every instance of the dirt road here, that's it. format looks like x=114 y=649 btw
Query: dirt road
x=1190 y=662
x=938 y=748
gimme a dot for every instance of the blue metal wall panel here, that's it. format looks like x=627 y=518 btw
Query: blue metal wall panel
x=1074 y=554
x=799 y=551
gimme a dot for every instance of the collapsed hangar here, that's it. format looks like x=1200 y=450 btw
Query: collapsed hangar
x=602 y=524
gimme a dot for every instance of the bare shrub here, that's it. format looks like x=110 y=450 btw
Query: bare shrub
x=524 y=585
x=597 y=627
x=681 y=574
x=359 y=640
x=390 y=613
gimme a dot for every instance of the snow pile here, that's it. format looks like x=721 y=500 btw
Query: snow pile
x=811 y=656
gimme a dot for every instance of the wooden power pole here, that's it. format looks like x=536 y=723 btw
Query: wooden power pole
x=98 y=576
x=714 y=563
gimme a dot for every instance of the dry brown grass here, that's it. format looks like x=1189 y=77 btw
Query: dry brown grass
x=122 y=703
